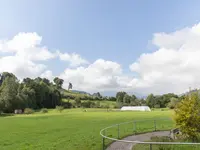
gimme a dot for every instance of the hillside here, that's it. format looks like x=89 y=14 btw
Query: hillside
x=72 y=94
x=87 y=100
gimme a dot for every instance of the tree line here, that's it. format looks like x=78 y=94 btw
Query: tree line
x=30 y=93
x=153 y=101
x=41 y=93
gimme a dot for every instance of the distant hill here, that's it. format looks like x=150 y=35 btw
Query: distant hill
x=113 y=93
x=81 y=92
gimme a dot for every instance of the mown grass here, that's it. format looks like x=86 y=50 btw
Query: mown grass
x=72 y=129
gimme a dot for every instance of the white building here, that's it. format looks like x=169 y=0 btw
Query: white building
x=135 y=108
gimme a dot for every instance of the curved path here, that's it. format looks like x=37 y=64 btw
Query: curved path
x=140 y=137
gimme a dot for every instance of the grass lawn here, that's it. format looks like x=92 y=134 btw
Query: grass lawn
x=72 y=129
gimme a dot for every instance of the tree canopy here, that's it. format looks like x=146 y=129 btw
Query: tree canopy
x=187 y=116
x=31 y=93
x=58 y=82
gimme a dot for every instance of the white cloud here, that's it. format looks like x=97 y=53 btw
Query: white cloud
x=100 y=75
x=47 y=74
x=20 y=67
x=74 y=59
x=26 y=46
x=174 y=67
x=24 y=50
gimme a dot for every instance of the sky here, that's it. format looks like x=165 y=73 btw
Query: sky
x=104 y=46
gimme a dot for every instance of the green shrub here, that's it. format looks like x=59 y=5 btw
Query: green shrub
x=60 y=108
x=187 y=116
x=28 y=111
x=78 y=101
x=157 y=106
x=88 y=104
x=97 y=104
x=67 y=104
x=44 y=110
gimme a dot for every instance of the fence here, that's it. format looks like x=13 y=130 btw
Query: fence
x=118 y=131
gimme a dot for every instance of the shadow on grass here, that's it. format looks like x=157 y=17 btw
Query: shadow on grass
x=6 y=115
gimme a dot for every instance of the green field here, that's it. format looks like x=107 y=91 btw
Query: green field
x=72 y=129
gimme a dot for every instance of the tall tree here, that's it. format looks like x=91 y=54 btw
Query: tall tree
x=127 y=99
x=150 y=101
x=59 y=82
x=120 y=96
x=8 y=94
x=133 y=100
x=173 y=102
x=187 y=116
x=69 y=86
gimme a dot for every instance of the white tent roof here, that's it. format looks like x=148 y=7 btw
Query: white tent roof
x=136 y=108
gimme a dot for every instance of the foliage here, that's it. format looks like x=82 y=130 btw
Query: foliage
x=58 y=82
x=150 y=100
x=28 y=111
x=120 y=96
x=97 y=104
x=78 y=102
x=31 y=93
x=173 y=102
x=126 y=99
x=8 y=95
x=111 y=99
x=157 y=106
x=44 y=110
x=67 y=104
x=88 y=104
x=69 y=86
x=162 y=101
x=97 y=95
x=187 y=116
x=60 y=108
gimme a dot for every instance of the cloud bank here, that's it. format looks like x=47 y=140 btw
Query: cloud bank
x=173 y=67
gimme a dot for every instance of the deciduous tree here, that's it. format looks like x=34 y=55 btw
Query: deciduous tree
x=187 y=116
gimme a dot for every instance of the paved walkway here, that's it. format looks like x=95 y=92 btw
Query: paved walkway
x=140 y=137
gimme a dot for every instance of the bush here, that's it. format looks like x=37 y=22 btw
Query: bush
x=28 y=111
x=60 y=108
x=157 y=106
x=44 y=110
x=173 y=102
x=67 y=105
x=86 y=104
x=97 y=104
x=78 y=101
x=118 y=105
x=187 y=116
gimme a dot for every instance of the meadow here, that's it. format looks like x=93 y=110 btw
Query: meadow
x=73 y=129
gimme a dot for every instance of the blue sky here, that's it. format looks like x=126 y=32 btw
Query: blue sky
x=114 y=30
